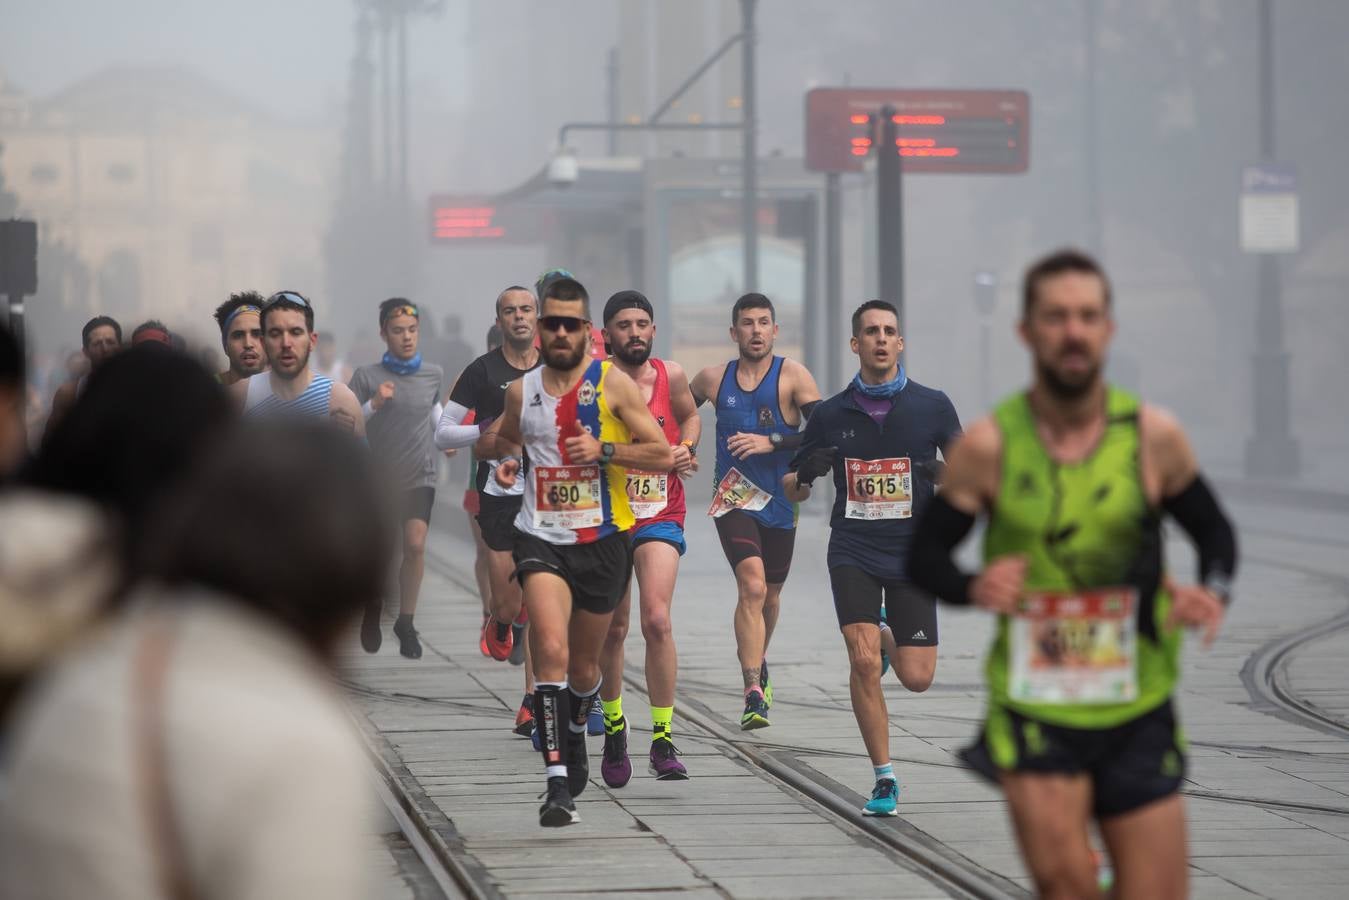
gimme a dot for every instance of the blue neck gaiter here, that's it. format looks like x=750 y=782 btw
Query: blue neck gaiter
x=883 y=391
x=402 y=366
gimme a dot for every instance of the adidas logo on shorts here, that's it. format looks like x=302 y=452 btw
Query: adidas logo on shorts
x=919 y=636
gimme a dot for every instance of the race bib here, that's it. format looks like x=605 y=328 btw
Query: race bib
x=879 y=488
x=567 y=497
x=647 y=493
x=1075 y=648
x=737 y=492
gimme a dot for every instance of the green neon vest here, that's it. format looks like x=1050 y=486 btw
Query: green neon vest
x=1084 y=525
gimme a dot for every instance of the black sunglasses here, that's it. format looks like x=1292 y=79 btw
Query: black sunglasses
x=573 y=324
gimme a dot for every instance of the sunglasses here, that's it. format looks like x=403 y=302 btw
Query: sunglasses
x=572 y=324
x=407 y=310
x=285 y=297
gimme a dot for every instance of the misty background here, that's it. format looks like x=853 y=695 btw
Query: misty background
x=174 y=152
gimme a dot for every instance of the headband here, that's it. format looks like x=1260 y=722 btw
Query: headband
x=407 y=309
x=245 y=308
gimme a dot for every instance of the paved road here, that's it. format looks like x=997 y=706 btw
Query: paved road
x=1269 y=802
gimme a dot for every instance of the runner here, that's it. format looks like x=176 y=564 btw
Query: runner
x=482 y=573
x=291 y=387
x=151 y=331
x=481 y=390
x=101 y=337
x=328 y=363
x=1074 y=476
x=400 y=399
x=240 y=321
x=880 y=436
x=761 y=401
x=574 y=417
x=657 y=502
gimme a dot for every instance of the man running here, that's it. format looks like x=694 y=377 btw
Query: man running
x=481 y=552
x=880 y=436
x=657 y=503
x=240 y=321
x=400 y=399
x=481 y=392
x=101 y=337
x=761 y=401
x=1074 y=476
x=291 y=387
x=583 y=423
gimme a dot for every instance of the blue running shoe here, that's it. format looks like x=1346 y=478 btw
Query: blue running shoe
x=885 y=657
x=884 y=799
x=595 y=719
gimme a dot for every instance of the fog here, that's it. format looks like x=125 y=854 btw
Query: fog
x=173 y=152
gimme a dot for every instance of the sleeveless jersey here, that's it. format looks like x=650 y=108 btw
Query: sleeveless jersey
x=643 y=485
x=755 y=412
x=566 y=503
x=261 y=401
x=1082 y=526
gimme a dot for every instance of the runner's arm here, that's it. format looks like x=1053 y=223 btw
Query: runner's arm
x=971 y=478
x=810 y=456
x=451 y=430
x=648 y=450
x=703 y=387
x=686 y=412
x=805 y=396
x=343 y=400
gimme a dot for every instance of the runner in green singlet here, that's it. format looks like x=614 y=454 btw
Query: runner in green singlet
x=1075 y=476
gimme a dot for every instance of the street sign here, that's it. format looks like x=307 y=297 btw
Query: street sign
x=951 y=131
x=1269 y=209
x=460 y=219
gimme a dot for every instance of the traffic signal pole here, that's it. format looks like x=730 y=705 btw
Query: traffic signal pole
x=889 y=212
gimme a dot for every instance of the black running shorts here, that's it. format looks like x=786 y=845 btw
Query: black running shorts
x=910 y=611
x=417 y=504
x=1130 y=765
x=743 y=537
x=597 y=573
x=496 y=519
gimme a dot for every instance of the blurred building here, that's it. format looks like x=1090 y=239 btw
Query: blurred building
x=157 y=193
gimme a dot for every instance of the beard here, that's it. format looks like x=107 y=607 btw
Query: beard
x=564 y=357
x=633 y=354
x=302 y=362
x=1068 y=388
x=753 y=354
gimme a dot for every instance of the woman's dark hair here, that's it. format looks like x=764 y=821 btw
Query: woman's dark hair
x=285 y=517
x=139 y=426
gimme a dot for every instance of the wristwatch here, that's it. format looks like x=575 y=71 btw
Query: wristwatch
x=606 y=453
x=693 y=448
x=775 y=438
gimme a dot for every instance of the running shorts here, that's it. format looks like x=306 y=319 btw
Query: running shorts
x=597 y=573
x=665 y=531
x=496 y=519
x=417 y=504
x=910 y=611
x=744 y=537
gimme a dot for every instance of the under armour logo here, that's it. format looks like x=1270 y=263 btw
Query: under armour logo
x=506 y=385
x=919 y=636
x=847 y=435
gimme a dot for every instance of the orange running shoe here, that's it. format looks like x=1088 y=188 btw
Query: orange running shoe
x=498 y=638
x=482 y=636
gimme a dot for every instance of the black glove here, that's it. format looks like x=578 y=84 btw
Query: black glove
x=817 y=462
x=933 y=470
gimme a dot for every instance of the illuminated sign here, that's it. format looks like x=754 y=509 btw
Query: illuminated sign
x=952 y=131
x=471 y=219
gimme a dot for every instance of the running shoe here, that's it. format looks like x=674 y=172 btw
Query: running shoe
x=766 y=684
x=498 y=638
x=517 y=657
x=756 y=712
x=408 y=643
x=884 y=798
x=524 y=717
x=482 y=636
x=558 y=810
x=885 y=657
x=616 y=768
x=595 y=719
x=664 y=763
x=534 y=737
x=578 y=763
x=371 y=636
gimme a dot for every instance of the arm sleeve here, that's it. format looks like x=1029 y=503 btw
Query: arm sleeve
x=807 y=441
x=940 y=530
x=1197 y=511
x=451 y=432
x=436 y=412
x=367 y=409
x=949 y=428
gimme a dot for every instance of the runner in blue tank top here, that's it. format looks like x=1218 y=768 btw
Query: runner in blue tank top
x=761 y=401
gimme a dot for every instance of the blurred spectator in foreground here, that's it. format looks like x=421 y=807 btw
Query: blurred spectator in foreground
x=72 y=520
x=198 y=745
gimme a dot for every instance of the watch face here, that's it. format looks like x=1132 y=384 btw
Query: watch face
x=775 y=439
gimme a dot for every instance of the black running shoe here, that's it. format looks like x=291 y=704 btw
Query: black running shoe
x=558 y=809
x=371 y=636
x=578 y=763
x=408 y=644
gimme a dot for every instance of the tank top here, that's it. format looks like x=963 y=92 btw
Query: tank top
x=566 y=503
x=658 y=496
x=260 y=400
x=753 y=412
x=1088 y=535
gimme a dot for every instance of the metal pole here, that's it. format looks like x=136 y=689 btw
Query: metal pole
x=611 y=80
x=890 y=213
x=385 y=103
x=1271 y=450
x=749 y=210
x=402 y=103
x=985 y=363
x=1095 y=231
x=833 y=280
x=16 y=329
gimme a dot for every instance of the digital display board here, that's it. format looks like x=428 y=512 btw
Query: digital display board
x=952 y=131
x=456 y=219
